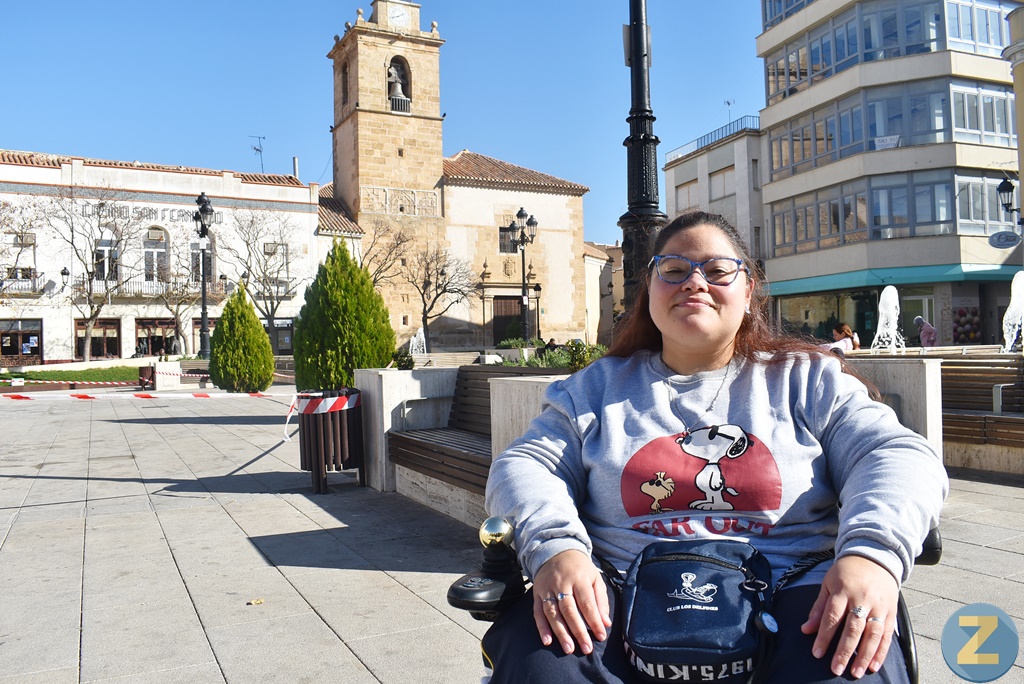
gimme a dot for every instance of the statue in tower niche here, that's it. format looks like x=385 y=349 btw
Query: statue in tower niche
x=396 y=77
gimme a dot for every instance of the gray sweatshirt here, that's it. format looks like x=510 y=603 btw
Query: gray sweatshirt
x=627 y=452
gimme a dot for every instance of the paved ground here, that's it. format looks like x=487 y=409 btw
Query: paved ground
x=171 y=540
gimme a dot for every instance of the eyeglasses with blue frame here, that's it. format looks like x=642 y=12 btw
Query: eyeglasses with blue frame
x=676 y=270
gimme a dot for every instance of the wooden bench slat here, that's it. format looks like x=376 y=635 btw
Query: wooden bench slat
x=459 y=454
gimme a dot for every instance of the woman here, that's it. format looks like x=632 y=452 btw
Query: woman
x=845 y=339
x=696 y=383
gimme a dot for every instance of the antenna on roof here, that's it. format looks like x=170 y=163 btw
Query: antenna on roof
x=258 y=148
x=729 y=104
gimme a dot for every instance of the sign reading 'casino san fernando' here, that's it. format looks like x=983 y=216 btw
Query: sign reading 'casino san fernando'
x=1004 y=239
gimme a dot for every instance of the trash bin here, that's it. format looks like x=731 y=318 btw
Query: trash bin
x=147 y=376
x=331 y=434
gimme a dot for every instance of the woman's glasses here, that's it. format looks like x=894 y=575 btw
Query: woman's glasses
x=676 y=270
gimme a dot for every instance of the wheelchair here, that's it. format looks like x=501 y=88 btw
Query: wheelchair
x=499 y=583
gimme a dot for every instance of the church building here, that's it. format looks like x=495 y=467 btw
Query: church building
x=100 y=258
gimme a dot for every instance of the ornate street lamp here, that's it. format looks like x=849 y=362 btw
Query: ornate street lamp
x=527 y=228
x=64 y=275
x=203 y=220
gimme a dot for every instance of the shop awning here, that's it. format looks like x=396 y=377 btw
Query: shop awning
x=880 y=277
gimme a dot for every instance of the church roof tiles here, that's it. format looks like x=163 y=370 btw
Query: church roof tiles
x=476 y=170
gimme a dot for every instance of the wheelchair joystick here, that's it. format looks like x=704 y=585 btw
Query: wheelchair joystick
x=499 y=581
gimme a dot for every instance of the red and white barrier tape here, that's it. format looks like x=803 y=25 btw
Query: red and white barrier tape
x=315 y=402
x=70 y=382
x=142 y=395
x=184 y=375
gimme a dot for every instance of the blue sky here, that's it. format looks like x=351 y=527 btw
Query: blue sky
x=540 y=84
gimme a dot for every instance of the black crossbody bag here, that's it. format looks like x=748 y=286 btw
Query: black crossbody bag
x=699 y=610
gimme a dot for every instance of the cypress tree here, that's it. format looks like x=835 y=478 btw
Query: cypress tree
x=240 y=356
x=343 y=325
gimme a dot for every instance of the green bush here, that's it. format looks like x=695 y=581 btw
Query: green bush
x=240 y=356
x=582 y=355
x=403 y=359
x=343 y=325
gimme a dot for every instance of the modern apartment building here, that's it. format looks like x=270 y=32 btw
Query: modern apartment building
x=887 y=128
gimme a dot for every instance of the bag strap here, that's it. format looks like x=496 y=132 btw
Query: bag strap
x=801 y=566
x=611 y=572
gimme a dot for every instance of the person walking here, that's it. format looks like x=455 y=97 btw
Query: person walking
x=927 y=331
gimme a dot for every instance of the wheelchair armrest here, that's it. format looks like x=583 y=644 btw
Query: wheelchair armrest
x=498 y=583
x=932 y=549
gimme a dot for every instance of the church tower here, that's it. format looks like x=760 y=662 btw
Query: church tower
x=388 y=163
x=387 y=122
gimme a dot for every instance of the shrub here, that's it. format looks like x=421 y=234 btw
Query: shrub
x=582 y=355
x=403 y=359
x=241 y=359
x=343 y=325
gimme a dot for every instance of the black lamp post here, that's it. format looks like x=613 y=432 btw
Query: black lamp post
x=536 y=288
x=527 y=228
x=203 y=219
x=643 y=217
x=64 y=275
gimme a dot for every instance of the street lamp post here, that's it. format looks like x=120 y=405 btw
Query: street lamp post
x=643 y=217
x=1005 y=191
x=203 y=220
x=527 y=228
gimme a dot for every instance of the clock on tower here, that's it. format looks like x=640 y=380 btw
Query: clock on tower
x=396 y=15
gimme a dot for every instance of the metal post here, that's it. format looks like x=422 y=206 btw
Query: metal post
x=524 y=308
x=204 y=326
x=643 y=217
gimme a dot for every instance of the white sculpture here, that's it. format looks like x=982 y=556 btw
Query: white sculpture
x=1014 y=313
x=888 y=335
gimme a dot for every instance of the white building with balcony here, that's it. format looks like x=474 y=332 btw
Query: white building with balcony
x=110 y=248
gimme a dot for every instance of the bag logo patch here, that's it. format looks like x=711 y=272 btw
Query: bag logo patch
x=702 y=594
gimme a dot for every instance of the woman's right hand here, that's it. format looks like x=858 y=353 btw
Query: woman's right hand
x=583 y=603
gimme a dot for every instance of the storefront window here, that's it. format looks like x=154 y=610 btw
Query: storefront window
x=21 y=342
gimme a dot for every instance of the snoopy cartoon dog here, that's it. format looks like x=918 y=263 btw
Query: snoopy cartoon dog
x=713 y=444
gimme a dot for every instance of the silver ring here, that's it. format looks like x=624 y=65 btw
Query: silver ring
x=564 y=595
x=859 y=611
x=549 y=598
x=876 y=619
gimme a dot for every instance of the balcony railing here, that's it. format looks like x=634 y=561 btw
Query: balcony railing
x=741 y=124
x=23 y=286
x=141 y=288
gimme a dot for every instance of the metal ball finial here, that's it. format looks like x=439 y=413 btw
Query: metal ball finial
x=496 y=530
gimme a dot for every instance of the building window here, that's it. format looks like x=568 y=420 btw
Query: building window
x=687 y=197
x=978 y=26
x=344 y=84
x=883 y=118
x=105 y=261
x=723 y=183
x=105 y=341
x=21 y=342
x=155 y=265
x=871 y=31
x=405 y=319
x=507 y=240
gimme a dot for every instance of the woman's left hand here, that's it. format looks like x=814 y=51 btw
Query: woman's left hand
x=859 y=597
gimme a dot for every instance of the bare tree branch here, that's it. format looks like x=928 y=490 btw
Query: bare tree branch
x=99 y=231
x=441 y=280
x=265 y=248
x=388 y=244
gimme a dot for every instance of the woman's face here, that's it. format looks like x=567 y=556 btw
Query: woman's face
x=837 y=335
x=698 y=321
